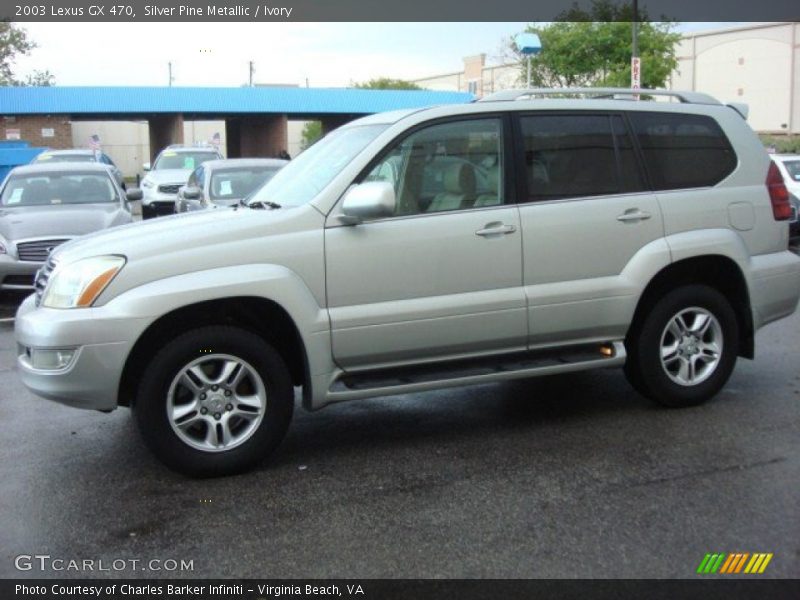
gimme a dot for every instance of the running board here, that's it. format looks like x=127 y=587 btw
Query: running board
x=417 y=378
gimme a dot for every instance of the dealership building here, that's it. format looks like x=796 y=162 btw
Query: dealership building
x=134 y=123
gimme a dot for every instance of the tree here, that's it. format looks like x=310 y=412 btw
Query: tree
x=38 y=78
x=14 y=41
x=387 y=83
x=312 y=131
x=593 y=48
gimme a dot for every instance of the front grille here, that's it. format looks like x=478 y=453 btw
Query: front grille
x=37 y=251
x=169 y=188
x=42 y=276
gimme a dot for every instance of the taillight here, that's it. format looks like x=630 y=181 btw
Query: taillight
x=778 y=194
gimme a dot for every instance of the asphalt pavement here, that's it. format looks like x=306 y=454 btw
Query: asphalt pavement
x=567 y=476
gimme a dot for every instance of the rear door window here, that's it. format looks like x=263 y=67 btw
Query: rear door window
x=578 y=155
x=683 y=151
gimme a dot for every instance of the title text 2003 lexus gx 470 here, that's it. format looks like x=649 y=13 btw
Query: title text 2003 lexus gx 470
x=427 y=248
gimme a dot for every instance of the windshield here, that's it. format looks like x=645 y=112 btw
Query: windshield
x=303 y=178
x=45 y=189
x=59 y=158
x=182 y=160
x=238 y=183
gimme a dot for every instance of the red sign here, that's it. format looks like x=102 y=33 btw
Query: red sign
x=636 y=73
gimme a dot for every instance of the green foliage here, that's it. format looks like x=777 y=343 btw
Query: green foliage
x=312 y=131
x=594 y=49
x=387 y=83
x=38 y=78
x=783 y=144
x=14 y=42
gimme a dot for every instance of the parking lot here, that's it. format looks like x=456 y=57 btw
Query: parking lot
x=572 y=476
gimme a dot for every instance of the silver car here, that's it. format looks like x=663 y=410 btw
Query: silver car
x=219 y=183
x=44 y=205
x=168 y=174
x=80 y=155
x=421 y=249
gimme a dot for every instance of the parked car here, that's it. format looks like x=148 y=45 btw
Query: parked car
x=169 y=172
x=81 y=155
x=645 y=235
x=218 y=183
x=46 y=204
x=789 y=165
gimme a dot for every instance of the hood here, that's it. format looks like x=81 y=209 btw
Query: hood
x=168 y=175
x=158 y=238
x=59 y=220
x=225 y=201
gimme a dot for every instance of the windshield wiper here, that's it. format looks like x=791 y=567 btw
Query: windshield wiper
x=262 y=204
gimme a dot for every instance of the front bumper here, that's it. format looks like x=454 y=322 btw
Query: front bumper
x=102 y=343
x=17 y=275
x=156 y=203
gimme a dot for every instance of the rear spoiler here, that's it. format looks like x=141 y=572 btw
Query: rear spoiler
x=741 y=108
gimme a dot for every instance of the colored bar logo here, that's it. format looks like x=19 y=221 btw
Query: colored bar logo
x=734 y=563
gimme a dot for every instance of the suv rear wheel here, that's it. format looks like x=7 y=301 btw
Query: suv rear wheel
x=685 y=348
x=214 y=401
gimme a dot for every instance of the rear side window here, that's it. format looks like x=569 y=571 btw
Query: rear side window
x=577 y=155
x=683 y=151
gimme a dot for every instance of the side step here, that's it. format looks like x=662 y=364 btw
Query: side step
x=415 y=378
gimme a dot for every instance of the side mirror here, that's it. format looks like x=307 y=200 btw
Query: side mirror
x=191 y=192
x=146 y=166
x=132 y=194
x=371 y=200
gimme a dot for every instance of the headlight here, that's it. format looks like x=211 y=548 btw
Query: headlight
x=79 y=284
x=147 y=183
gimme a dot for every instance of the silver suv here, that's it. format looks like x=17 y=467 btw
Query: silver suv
x=421 y=249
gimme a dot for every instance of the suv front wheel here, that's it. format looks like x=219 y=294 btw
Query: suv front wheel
x=684 y=349
x=214 y=401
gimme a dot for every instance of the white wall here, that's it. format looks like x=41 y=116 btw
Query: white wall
x=295 y=137
x=128 y=142
x=758 y=65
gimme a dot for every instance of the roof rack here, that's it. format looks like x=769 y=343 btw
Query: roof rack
x=598 y=92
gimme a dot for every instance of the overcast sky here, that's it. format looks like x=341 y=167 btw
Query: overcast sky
x=217 y=54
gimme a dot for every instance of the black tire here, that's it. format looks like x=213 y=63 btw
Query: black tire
x=150 y=407
x=644 y=368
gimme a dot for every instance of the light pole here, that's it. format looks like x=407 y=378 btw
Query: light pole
x=636 y=64
x=529 y=45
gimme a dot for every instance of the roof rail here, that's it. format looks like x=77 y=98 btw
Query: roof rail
x=598 y=92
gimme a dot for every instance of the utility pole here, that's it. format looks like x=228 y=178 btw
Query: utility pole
x=171 y=78
x=252 y=70
x=636 y=64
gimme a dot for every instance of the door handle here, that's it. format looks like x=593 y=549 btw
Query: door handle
x=634 y=214
x=495 y=229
